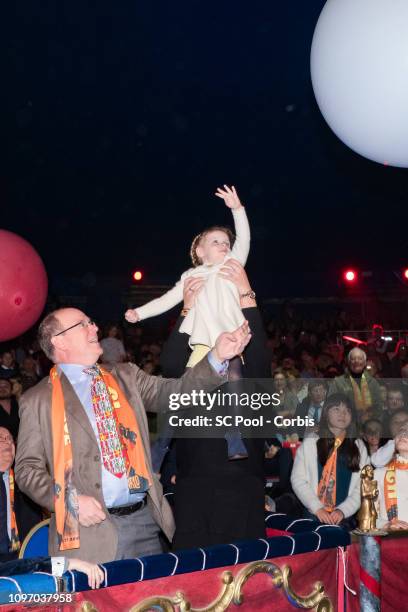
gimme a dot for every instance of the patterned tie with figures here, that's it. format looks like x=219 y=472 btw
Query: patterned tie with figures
x=110 y=442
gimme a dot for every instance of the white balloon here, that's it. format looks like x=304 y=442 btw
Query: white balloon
x=359 y=68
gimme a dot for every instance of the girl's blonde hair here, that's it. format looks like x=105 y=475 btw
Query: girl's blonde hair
x=215 y=228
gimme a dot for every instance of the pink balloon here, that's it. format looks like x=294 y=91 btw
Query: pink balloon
x=23 y=285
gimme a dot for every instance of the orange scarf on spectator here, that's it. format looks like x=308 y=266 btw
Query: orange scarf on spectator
x=66 y=497
x=15 y=540
x=390 y=487
x=326 y=489
x=362 y=395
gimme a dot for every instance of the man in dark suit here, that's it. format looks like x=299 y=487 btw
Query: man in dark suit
x=219 y=500
x=312 y=405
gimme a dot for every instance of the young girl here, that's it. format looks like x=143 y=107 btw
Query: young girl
x=217 y=307
x=326 y=472
x=392 y=481
x=372 y=435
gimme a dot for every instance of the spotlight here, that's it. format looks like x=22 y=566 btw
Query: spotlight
x=350 y=276
x=138 y=275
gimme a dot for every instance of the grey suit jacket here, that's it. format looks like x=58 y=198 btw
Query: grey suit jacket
x=34 y=459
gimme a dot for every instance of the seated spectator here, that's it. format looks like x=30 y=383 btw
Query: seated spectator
x=295 y=384
x=309 y=369
x=312 y=405
x=397 y=421
x=16 y=388
x=398 y=361
x=404 y=372
x=332 y=371
x=17 y=513
x=29 y=373
x=324 y=361
x=326 y=472
x=278 y=463
x=383 y=391
x=288 y=364
x=8 y=408
x=288 y=399
x=8 y=365
x=372 y=435
x=394 y=400
x=113 y=349
x=336 y=352
x=359 y=386
x=372 y=368
x=392 y=481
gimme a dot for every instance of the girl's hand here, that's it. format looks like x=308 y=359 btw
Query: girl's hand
x=336 y=516
x=324 y=516
x=230 y=197
x=131 y=316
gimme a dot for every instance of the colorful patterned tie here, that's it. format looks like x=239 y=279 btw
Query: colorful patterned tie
x=110 y=442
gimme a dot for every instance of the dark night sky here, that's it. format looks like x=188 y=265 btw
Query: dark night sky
x=122 y=117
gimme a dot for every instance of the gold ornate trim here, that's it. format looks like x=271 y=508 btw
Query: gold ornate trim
x=88 y=606
x=232 y=592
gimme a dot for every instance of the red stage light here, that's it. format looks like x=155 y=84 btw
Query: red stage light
x=350 y=276
x=405 y=273
x=356 y=340
x=137 y=275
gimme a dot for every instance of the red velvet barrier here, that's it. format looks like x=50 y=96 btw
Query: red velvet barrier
x=201 y=588
x=394 y=574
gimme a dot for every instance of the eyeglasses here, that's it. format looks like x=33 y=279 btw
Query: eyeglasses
x=86 y=323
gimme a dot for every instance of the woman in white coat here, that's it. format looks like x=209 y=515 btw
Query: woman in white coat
x=326 y=471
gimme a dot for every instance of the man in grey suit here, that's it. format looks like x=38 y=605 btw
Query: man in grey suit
x=114 y=523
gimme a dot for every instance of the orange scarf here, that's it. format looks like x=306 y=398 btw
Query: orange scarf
x=326 y=489
x=390 y=488
x=362 y=395
x=15 y=541
x=66 y=498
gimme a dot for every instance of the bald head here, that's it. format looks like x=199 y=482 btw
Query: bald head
x=67 y=335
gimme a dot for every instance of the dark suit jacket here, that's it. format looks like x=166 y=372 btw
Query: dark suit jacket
x=218 y=500
x=28 y=514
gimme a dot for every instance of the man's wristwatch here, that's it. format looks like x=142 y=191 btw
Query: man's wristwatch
x=251 y=294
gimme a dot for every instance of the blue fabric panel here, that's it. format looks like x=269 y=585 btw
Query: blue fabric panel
x=28 y=583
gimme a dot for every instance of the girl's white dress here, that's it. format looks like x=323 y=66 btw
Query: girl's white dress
x=217 y=306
